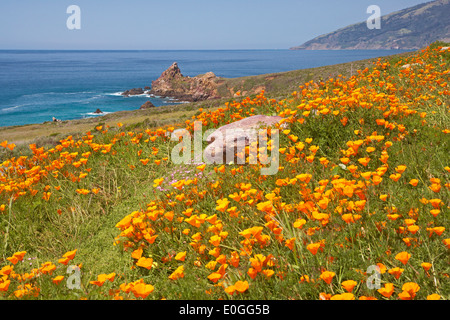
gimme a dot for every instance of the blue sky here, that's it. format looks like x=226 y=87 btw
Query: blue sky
x=179 y=24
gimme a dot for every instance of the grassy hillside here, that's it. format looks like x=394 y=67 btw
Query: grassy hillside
x=363 y=182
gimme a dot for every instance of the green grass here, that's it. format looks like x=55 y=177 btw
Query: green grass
x=90 y=223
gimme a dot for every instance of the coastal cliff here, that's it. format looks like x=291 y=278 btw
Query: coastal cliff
x=409 y=29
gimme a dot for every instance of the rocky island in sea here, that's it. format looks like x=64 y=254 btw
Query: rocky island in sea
x=175 y=85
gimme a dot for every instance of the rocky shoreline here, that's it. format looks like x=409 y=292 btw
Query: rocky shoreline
x=172 y=84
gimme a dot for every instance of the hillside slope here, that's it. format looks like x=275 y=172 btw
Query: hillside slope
x=362 y=181
x=411 y=28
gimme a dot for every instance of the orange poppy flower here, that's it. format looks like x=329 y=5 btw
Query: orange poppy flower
x=83 y=191
x=222 y=204
x=230 y=290
x=435 y=212
x=349 y=285
x=145 y=263
x=396 y=272
x=387 y=291
x=436 y=203
x=214 y=277
x=438 y=230
x=435 y=187
x=400 y=169
x=215 y=240
x=324 y=296
x=290 y=243
x=241 y=286
x=64 y=261
x=403 y=257
x=4 y=285
x=327 y=276
x=201 y=167
x=137 y=254
x=343 y=296
x=426 y=265
x=142 y=290
x=181 y=256
x=446 y=242
x=16 y=257
x=101 y=278
x=178 y=273
x=70 y=254
x=411 y=289
x=348 y=218
x=364 y=161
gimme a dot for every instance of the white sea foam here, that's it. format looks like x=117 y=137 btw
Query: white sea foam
x=119 y=94
x=11 y=108
x=139 y=95
x=95 y=114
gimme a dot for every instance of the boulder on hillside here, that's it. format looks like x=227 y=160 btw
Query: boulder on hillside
x=147 y=105
x=226 y=140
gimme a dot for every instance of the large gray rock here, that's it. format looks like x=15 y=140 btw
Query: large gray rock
x=224 y=142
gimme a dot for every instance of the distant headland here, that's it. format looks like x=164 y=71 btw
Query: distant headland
x=408 y=29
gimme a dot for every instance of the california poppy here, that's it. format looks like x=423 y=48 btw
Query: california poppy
x=403 y=257
x=241 y=286
x=327 y=276
x=387 y=291
x=349 y=285
x=145 y=263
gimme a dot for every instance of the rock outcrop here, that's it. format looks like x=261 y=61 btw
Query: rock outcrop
x=173 y=84
x=147 y=105
x=133 y=92
x=234 y=136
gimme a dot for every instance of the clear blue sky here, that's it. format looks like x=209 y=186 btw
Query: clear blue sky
x=179 y=24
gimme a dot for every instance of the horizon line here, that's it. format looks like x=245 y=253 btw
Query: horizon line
x=243 y=49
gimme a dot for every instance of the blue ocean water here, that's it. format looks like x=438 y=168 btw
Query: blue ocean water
x=38 y=85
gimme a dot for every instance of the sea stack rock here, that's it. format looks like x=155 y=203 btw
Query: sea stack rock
x=173 y=84
x=98 y=111
x=147 y=105
x=133 y=92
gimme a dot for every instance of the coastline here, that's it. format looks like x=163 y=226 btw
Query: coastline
x=275 y=85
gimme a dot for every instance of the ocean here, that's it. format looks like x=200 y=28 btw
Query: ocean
x=36 y=86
